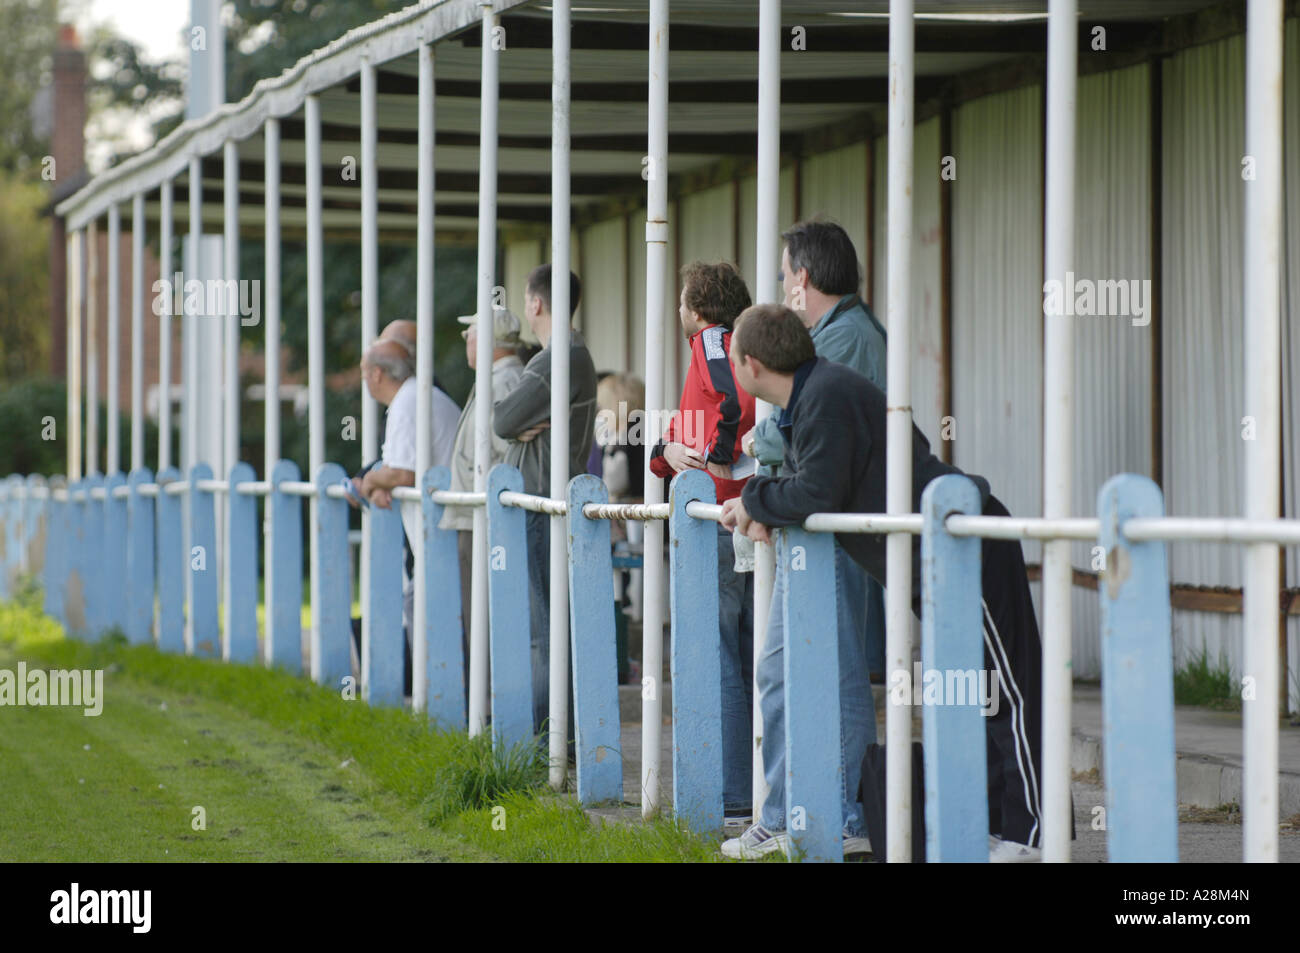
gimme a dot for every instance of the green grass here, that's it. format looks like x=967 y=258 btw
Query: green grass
x=284 y=769
x=1203 y=683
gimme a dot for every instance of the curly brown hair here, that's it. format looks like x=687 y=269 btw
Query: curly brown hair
x=715 y=291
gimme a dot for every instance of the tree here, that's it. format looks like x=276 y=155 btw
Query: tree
x=26 y=53
x=24 y=278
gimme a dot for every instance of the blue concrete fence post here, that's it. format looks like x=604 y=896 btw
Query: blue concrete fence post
x=382 y=647
x=444 y=673
x=952 y=650
x=57 y=528
x=510 y=639
x=333 y=617
x=241 y=583
x=696 y=656
x=113 y=562
x=36 y=524
x=173 y=563
x=90 y=557
x=139 y=561
x=814 y=777
x=1137 y=679
x=284 y=601
x=10 y=533
x=203 y=567
x=595 y=662
x=77 y=594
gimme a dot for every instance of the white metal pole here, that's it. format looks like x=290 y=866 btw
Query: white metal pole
x=898 y=429
x=423 y=341
x=165 y=329
x=1058 y=429
x=189 y=322
x=137 y=331
x=369 y=327
x=231 y=318
x=656 y=272
x=76 y=242
x=230 y=351
x=560 y=436
x=765 y=283
x=1262 y=249
x=112 y=441
x=92 y=348
x=487 y=250
x=271 y=425
x=315 y=356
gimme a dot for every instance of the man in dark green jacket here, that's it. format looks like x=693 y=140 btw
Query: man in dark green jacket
x=524 y=418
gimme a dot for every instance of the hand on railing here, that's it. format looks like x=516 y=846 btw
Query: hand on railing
x=735 y=516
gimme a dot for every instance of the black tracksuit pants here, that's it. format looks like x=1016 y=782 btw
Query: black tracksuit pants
x=1012 y=649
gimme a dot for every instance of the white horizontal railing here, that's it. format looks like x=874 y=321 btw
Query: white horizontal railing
x=537 y=504
x=627 y=511
x=1213 y=530
x=1018 y=527
x=255 y=488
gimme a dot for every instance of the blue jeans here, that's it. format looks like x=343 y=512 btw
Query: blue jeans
x=857 y=710
x=875 y=628
x=736 y=627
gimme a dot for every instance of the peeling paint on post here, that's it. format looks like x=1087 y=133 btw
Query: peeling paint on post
x=241 y=580
x=1137 y=677
x=814 y=777
x=172 y=563
x=952 y=640
x=595 y=664
x=510 y=640
x=696 y=656
x=332 y=619
x=139 y=560
x=445 y=662
x=382 y=649
x=202 y=562
x=284 y=601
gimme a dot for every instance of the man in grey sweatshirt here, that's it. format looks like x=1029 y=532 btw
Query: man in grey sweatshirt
x=524 y=418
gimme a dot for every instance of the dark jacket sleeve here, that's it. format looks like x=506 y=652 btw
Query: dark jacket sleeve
x=823 y=454
x=528 y=405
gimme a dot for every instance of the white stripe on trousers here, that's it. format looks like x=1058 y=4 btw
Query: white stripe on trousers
x=1024 y=754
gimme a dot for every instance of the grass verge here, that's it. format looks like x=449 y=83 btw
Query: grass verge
x=1203 y=683
x=472 y=803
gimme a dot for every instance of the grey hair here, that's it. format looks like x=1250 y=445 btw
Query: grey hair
x=398 y=368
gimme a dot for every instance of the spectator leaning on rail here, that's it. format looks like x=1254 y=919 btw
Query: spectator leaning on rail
x=505 y=373
x=387 y=371
x=714 y=412
x=820 y=277
x=524 y=418
x=833 y=425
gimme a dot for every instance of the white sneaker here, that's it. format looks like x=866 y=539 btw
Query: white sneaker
x=856 y=845
x=755 y=843
x=1010 y=852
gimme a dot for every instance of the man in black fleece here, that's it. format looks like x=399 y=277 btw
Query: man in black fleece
x=833 y=424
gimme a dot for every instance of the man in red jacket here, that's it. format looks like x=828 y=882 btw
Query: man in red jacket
x=714 y=413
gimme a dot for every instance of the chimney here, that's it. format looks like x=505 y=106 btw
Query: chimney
x=67 y=144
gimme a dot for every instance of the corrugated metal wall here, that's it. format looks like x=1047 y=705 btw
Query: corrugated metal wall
x=604 y=314
x=927 y=277
x=1291 y=333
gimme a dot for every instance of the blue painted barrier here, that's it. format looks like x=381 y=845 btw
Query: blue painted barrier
x=89 y=555
x=444 y=672
x=58 y=529
x=331 y=660
x=284 y=600
x=952 y=650
x=112 y=568
x=204 y=629
x=139 y=561
x=241 y=571
x=510 y=641
x=172 y=563
x=814 y=776
x=36 y=523
x=696 y=656
x=382 y=643
x=595 y=665
x=1137 y=678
